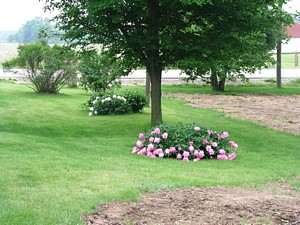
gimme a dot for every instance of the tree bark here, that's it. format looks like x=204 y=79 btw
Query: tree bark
x=217 y=85
x=156 y=109
x=147 y=88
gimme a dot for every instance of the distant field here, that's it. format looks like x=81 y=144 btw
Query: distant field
x=7 y=51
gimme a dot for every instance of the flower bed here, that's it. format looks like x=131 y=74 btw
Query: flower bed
x=185 y=142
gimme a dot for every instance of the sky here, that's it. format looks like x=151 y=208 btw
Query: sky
x=15 y=13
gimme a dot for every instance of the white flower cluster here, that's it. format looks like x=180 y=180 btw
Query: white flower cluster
x=93 y=111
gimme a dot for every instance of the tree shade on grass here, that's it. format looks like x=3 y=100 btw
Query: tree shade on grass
x=56 y=163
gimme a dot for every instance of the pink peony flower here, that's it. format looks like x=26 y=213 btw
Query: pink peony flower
x=196 y=153
x=185 y=159
x=161 y=155
x=235 y=146
x=222 y=152
x=172 y=149
x=208 y=148
x=156 y=140
x=164 y=136
x=221 y=157
x=156 y=131
x=179 y=156
x=167 y=151
x=196 y=159
x=205 y=142
x=211 y=152
x=225 y=134
x=191 y=143
x=179 y=148
x=196 y=128
x=151 y=139
x=142 y=152
x=186 y=154
x=231 y=156
x=159 y=151
x=153 y=156
x=150 y=147
x=141 y=136
x=149 y=154
x=209 y=132
x=139 y=144
x=214 y=144
x=201 y=154
x=135 y=150
x=231 y=143
x=191 y=148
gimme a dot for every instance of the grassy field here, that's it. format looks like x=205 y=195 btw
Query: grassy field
x=56 y=163
x=293 y=88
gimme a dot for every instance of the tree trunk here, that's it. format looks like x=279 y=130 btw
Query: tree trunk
x=278 y=65
x=217 y=85
x=147 y=88
x=156 y=110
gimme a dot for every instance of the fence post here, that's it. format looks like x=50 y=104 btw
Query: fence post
x=296 y=58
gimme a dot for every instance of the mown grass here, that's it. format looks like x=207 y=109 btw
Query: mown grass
x=56 y=163
x=293 y=88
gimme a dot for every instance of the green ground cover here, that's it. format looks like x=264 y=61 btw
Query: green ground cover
x=292 y=88
x=57 y=163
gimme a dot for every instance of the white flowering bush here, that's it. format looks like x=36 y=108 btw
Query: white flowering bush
x=109 y=103
x=113 y=104
x=186 y=142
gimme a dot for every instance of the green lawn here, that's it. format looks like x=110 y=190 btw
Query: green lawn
x=56 y=163
x=287 y=89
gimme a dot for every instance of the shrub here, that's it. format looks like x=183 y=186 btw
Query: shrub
x=109 y=103
x=136 y=100
x=114 y=104
x=186 y=142
x=47 y=68
x=100 y=71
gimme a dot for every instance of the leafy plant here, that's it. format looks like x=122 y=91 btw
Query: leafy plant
x=109 y=103
x=114 y=104
x=47 y=68
x=100 y=71
x=136 y=100
x=185 y=142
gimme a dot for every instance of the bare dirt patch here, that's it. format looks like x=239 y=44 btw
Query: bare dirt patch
x=278 y=112
x=275 y=203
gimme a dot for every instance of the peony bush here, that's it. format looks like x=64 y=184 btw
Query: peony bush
x=186 y=142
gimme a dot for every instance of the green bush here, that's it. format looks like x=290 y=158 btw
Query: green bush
x=100 y=72
x=109 y=103
x=136 y=100
x=47 y=68
x=186 y=142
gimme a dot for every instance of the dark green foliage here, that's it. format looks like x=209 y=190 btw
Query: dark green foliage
x=47 y=68
x=136 y=100
x=100 y=71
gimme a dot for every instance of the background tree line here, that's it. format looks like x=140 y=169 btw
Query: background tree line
x=36 y=29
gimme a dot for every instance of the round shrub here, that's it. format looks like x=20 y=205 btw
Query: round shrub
x=114 y=104
x=136 y=100
x=186 y=142
x=109 y=103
